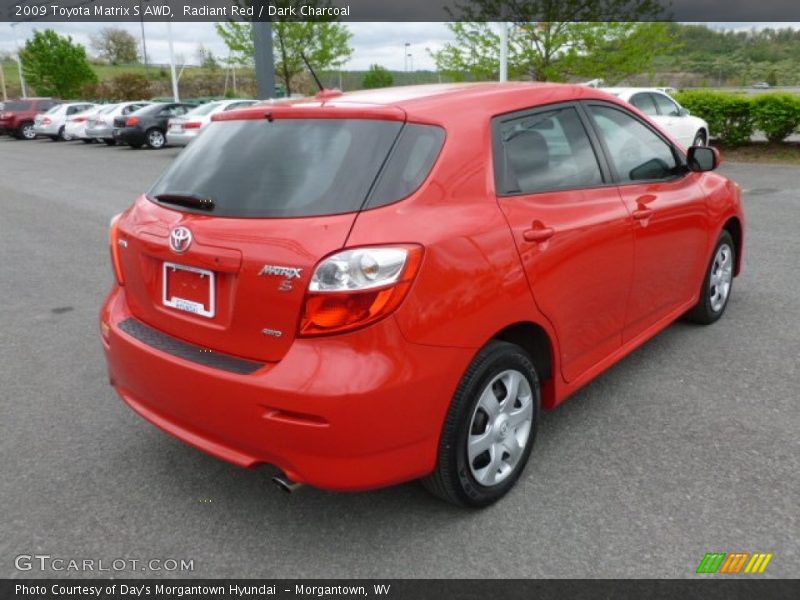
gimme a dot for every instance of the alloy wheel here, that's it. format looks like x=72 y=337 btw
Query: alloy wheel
x=500 y=428
x=721 y=277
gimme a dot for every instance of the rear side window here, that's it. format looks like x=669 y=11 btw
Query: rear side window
x=666 y=106
x=16 y=106
x=644 y=102
x=281 y=168
x=409 y=164
x=545 y=151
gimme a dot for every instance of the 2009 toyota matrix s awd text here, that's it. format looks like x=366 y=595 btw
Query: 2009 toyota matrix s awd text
x=363 y=289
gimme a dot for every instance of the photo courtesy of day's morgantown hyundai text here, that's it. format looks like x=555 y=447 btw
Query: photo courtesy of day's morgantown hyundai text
x=368 y=288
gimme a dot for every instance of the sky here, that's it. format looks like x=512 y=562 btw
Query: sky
x=373 y=43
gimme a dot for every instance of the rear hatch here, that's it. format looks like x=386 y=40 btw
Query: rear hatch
x=260 y=200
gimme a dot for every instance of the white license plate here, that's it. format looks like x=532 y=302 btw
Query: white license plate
x=189 y=289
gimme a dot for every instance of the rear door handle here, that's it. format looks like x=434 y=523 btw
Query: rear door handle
x=642 y=213
x=538 y=234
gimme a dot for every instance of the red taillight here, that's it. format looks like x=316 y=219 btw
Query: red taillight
x=116 y=244
x=329 y=311
x=192 y=125
x=79 y=119
x=132 y=121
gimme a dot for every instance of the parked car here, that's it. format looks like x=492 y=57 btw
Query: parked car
x=75 y=127
x=53 y=123
x=148 y=125
x=761 y=85
x=182 y=130
x=665 y=110
x=370 y=288
x=17 y=116
x=101 y=127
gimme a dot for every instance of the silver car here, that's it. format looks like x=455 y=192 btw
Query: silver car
x=52 y=123
x=182 y=130
x=101 y=126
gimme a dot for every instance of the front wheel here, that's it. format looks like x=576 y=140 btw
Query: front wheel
x=700 y=138
x=26 y=132
x=490 y=428
x=717 y=284
x=156 y=139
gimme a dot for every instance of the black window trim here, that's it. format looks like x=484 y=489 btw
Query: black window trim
x=594 y=142
x=680 y=157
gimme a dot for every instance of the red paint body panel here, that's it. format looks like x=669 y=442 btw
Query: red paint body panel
x=365 y=408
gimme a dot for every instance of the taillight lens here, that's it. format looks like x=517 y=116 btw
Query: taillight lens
x=79 y=119
x=192 y=125
x=354 y=288
x=115 y=247
x=132 y=121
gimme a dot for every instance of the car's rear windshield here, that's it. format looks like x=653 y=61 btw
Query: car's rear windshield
x=16 y=105
x=298 y=167
x=203 y=109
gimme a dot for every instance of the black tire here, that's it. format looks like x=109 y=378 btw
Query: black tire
x=110 y=142
x=156 y=138
x=700 y=138
x=704 y=312
x=54 y=138
x=87 y=140
x=62 y=135
x=453 y=480
x=25 y=131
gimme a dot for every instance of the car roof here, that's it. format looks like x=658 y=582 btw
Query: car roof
x=623 y=91
x=434 y=103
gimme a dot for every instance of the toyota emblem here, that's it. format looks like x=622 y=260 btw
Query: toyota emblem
x=180 y=239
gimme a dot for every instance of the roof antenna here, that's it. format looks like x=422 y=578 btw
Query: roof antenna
x=313 y=74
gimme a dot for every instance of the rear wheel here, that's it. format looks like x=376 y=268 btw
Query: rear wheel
x=54 y=138
x=717 y=284
x=156 y=139
x=490 y=428
x=87 y=140
x=63 y=135
x=110 y=141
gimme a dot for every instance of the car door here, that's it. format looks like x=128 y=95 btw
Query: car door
x=667 y=210
x=673 y=119
x=572 y=230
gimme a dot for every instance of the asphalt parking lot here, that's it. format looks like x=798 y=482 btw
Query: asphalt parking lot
x=690 y=445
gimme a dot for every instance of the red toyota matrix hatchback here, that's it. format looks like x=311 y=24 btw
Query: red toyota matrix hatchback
x=369 y=288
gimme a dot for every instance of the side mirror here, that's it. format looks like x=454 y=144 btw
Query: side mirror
x=702 y=158
x=684 y=112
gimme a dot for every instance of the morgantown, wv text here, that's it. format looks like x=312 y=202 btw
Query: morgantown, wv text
x=179 y=591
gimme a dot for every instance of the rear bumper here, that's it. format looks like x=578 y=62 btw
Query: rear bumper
x=180 y=139
x=130 y=135
x=100 y=132
x=349 y=412
x=51 y=129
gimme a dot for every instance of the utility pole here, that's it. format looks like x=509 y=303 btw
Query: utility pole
x=265 y=67
x=504 y=51
x=144 y=41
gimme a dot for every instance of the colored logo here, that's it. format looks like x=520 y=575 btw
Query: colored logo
x=734 y=562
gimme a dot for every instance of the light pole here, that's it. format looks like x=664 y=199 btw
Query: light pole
x=19 y=61
x=175 y=94
x=406 y=46
x=411 y=62
x=503 y=51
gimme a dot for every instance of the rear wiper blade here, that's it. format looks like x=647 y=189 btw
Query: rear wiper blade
x=188 y=200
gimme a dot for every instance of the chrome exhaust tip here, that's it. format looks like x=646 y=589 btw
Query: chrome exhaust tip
x=285 y=484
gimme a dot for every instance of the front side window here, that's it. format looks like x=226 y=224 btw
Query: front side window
x=666 y=106
x=545 y=151
x=636 y=151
